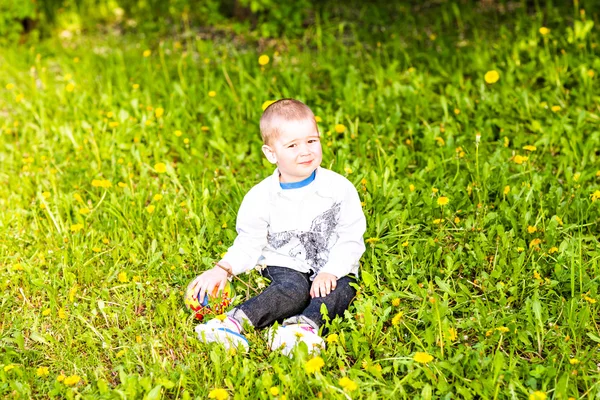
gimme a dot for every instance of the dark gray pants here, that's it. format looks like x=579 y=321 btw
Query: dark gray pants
x=288 y=295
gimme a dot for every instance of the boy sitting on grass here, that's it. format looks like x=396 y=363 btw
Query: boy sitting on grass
x=306 y=224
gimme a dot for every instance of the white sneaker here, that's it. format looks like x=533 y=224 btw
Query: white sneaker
x=226 y=332
x=287 y=337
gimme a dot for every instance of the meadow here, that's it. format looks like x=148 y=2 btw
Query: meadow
x=471 y=133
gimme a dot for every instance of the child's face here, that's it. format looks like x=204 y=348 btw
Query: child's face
x=297 y=151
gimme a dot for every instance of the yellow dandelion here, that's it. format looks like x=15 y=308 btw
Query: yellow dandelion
x=531 y=229
x=411 y=187
x=574 y=361
x=452 y=334
x=556 y=108
x=157 y=197
x=348 y=170
x=19 y=98
x=442 y=201
x=332 y=338
x=122 y=277
x=96 y=249
x=84 y=211
x=46 y=312
x=339 y=128
x=161 y=168
x=576 y=176
x=267 y=104
x=204 y=128
x=538 y=395
x=42 y=371
x=178 y=133
x=274 y=391
x=212 y=93
x=529 y=148
x=122 y=184
x=318 y=119
x=535 y=242
x=589 y=299
x=70 y=87
x=263 y=59
x=405 y=244
x=434 y=190
x=422 y=358
x=456 y=111
x=135 y=86
x=396 y=302
x=8 y=367
x=314 y=365
x=456 y=220
x=348 y=384
x=595 y=196
x=150 y=209
x=10 y=86
x=218 y=394
x=544 y=31
x=60 y=378
x=147 y=53
x=62 y=314
x=437 y=221
x=552 y=250
x=591 y=73
x=72 y=380
x=518 y=159
x=506 y=190
x=76 y=227
x=520 y=249
x=159 y=112
x=491 y=76
x=397 y=318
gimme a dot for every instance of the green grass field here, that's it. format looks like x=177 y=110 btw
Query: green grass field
x=123 y=163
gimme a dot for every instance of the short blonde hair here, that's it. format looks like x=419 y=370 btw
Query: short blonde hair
x=283 y=110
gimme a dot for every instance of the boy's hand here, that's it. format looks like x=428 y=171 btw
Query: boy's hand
x=323 y=284
x=215 y=277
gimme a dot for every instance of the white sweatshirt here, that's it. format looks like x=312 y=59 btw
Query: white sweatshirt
x=316 y=228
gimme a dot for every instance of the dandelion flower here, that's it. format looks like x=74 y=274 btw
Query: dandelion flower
x=42 y=371
x=274 y=391
x=405 y=244
x=212 y=93
x=591 y=73
x=518 y=159
x=396 y=302
x=218 y=394
x=72 y=380
x=535 y=242
x=552 y=250
x=333 y=338
x=161 y=168
x=8 y=367
x=397 y=318
x=178 y=133
x=122 y=277
x=556 y=108
x=19 y=97
x=150 y=209
x=491 y=76
x=147 y=53
x=10 y=86
x=159 y=112
x=263 y=59
x=544 y=31
x=529 y=148
x=506 y=190
x=157 y=197
x=267 y=104
x=538 y=395
x=574 y=361
x=70 y=87
x=339 y=128
x=595 y=196
x=411 y=187
x=348 y=384
x=62 y=314
x=531 y=229
x=76 y=227
x=437 y=221
x=314 y=365
x=318 y=119
x=422 y=358
x=442 y=201
x=84 y=211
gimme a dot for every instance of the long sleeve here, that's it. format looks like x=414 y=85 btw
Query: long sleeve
x=251 y=226
x=345 y=255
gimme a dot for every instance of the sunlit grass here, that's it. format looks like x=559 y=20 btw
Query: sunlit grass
x=475 y=155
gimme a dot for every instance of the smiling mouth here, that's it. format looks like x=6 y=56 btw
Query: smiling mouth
x=306 y=162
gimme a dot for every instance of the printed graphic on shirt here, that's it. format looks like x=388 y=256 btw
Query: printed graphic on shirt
x=313 y=245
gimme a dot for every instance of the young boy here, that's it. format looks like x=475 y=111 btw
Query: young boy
x=306 y=224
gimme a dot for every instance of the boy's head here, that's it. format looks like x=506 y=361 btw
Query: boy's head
x=291 y=139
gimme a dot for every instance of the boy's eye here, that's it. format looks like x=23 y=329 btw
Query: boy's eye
x=291 y=145
x=313 y=140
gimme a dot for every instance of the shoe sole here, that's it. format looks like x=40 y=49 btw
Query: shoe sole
x=226 y=337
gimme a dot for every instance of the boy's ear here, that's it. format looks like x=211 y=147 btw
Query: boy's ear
x=269 y=153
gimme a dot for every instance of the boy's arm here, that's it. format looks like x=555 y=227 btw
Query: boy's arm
x=252 y=228
x=350 y=246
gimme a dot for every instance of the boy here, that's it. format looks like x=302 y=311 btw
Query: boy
x=306 y=224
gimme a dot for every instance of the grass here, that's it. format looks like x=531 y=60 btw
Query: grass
x=499 y=286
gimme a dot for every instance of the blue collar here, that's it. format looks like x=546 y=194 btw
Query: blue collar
x=298 y=185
